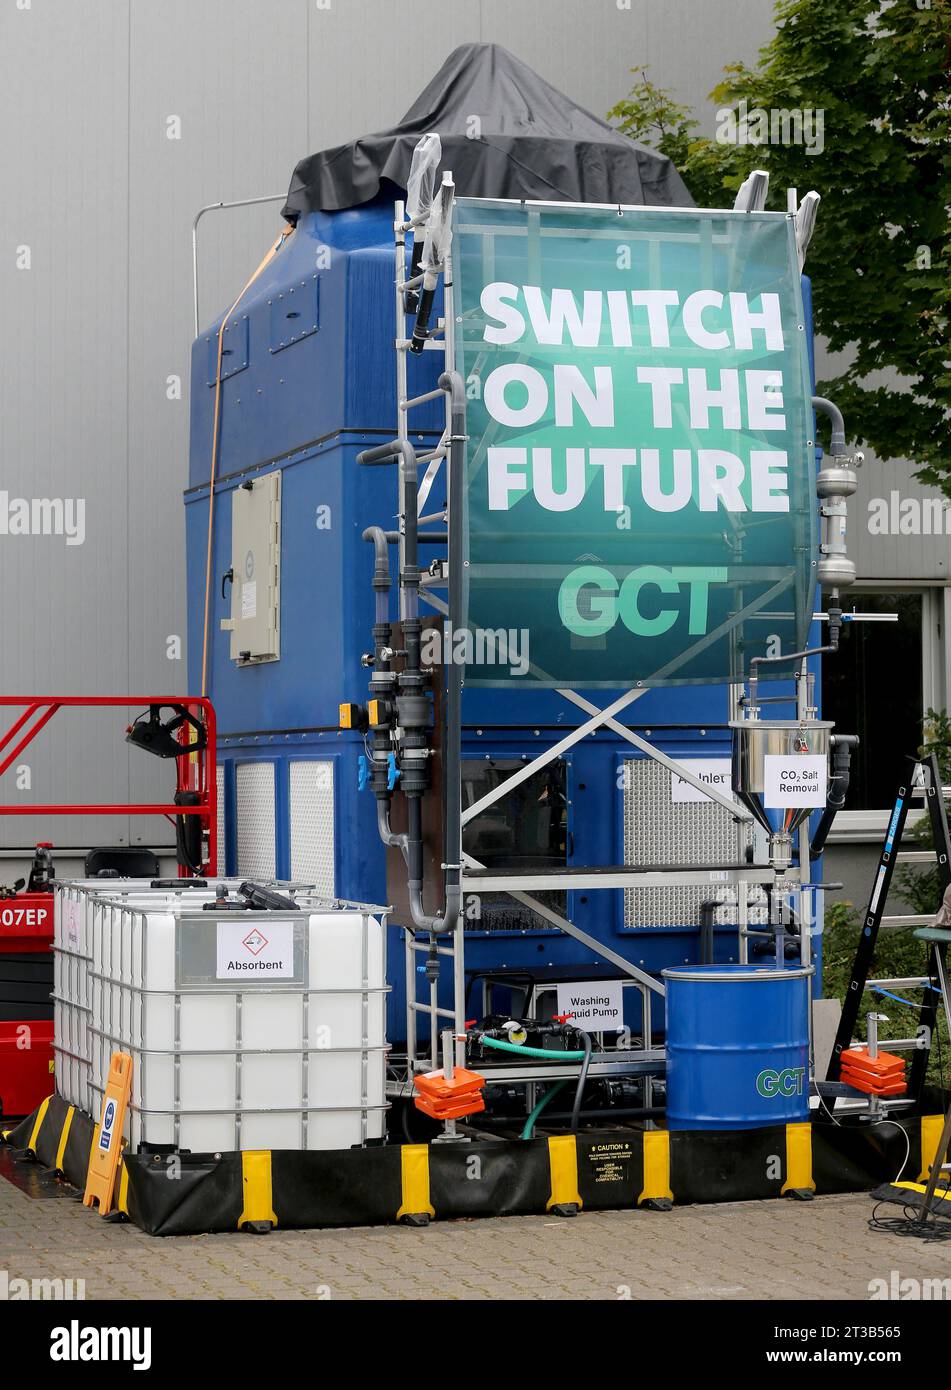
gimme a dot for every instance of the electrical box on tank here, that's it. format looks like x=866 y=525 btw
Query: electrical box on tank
x=255 y=622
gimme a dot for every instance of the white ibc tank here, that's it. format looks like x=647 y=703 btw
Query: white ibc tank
x=72 y=952
x=247 y=1029
x=72 y=949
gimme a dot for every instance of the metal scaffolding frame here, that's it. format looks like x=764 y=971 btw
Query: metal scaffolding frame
x=520 y=886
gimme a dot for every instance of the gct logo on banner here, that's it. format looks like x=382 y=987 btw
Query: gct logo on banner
x=640 y=469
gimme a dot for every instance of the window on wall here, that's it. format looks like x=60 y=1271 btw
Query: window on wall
x=874 y=688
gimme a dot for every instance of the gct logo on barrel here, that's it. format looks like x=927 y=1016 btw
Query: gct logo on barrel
x=771 y=1083
x=108 y=1120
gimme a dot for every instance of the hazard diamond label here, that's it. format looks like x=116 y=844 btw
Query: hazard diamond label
x=255 y=941
x=255 y=955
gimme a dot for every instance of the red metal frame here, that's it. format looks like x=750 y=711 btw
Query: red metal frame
x=194 y=772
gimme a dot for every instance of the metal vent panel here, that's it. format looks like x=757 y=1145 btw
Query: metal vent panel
x=257 y=845
x=658 y=830
x=222 y=835
x=313 y=846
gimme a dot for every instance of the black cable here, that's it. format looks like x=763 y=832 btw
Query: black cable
x=582 y=1079
x=936 y=1228
x=405 y=1122
x=182 y=849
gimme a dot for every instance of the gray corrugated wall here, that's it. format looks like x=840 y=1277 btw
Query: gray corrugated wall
x=90 y=334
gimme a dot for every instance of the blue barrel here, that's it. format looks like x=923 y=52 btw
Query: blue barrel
x=737 y=1046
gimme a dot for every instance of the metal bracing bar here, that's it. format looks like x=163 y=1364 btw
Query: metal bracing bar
x=29 y=736
x=603 y=716
x=804 y=710
x=427 y=1009
x=215 y=207
x=736 y=810
x=427 y=596
x=438 y=393
x=611 y=1063
x=550 y=754
x=402 y=432
x=417 y=280
x=684 y=876
x=911 y=982
x=425 y=946
x=432 y=343
x=409 y=973
x=563 y=924
x=428 y=478
x=17 y=725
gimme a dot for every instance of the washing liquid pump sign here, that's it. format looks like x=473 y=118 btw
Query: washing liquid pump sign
x=640 y=475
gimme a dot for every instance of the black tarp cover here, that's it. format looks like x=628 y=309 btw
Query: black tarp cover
x=531 y=142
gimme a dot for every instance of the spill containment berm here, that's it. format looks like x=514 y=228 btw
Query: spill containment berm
x=191 y=1194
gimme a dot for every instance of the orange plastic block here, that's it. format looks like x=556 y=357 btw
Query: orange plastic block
x=434 y=1085
x=883 y=1075
x=449 y=1100
x=885 y=1089
x=451 y=1110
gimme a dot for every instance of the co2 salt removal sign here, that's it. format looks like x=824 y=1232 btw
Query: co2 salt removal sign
x=795 y=779
x=640 y=477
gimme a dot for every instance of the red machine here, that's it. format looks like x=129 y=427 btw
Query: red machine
x=26 y=1009
x=185 y=735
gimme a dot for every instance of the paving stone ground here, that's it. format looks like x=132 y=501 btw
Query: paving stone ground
x=760 y=1250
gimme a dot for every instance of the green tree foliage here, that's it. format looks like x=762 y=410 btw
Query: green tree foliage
x=880 y=260
x=921 y=887
x=898 y=955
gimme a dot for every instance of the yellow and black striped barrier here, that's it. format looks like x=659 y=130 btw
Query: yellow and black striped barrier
x=187 y=1194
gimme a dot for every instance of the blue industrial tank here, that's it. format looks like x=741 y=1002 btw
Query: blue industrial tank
x=737 y=1046
x=307 y=381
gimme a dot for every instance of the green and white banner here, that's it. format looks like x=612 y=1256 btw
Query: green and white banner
x=640 y=482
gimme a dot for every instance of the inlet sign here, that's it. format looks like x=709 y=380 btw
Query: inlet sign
x=640 y=473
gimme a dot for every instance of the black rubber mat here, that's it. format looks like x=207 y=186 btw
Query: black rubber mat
x=32 y=1179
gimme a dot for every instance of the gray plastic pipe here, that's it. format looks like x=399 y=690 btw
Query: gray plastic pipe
x=834 y=415
x=411 y=843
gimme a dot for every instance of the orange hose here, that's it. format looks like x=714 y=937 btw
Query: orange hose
x=285 y=233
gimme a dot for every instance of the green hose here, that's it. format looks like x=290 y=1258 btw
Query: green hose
x=528 y=1129
x=545 y=1053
